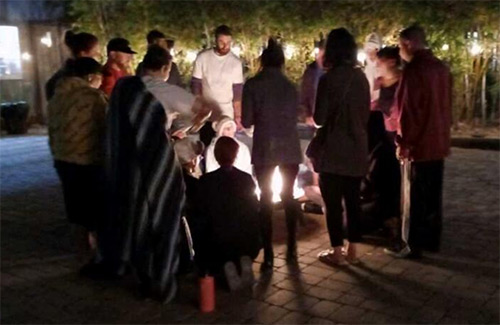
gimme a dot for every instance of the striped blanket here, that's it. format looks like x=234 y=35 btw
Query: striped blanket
x=146 y=188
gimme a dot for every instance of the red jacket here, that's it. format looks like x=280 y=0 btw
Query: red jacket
x=110 y=77
x=424 y=102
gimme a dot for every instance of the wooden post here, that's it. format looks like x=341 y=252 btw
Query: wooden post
x=483 y=99
x=39 y=97
x=467 y=97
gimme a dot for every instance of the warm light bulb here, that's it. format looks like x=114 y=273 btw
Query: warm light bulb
x=236 y=50
x=361 y=56
x=289 y=51
x=26 y=56
x=47 y=39
x=191 y=56
x=475 y=49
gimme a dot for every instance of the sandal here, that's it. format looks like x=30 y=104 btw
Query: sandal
x=326 y=257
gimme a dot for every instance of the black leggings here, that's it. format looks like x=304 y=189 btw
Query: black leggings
x=83 y=190
x=333 y=188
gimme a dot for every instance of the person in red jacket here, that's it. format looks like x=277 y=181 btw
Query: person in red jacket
x=424 y=101
x=119 y=57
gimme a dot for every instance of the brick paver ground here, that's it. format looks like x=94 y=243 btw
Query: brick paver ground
x=39 y=283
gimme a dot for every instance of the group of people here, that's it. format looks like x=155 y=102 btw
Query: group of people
x=146 y=165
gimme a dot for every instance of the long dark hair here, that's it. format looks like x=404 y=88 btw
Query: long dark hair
x=80 y=42
x=341 y=49
x=272 y=56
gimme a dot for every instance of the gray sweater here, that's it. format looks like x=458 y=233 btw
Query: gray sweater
x=347 y=143
x=270 y=103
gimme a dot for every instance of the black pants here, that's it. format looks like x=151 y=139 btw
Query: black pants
x=426 y=205
x=83 y=190
x=292 y=209
x=333 y=189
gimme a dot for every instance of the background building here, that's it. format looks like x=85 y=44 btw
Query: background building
x=31 y=50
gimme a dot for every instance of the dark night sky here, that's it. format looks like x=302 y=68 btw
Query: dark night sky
x=31 y=10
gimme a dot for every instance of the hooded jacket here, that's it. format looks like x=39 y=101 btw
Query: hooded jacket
x=77 y=122
x=65 y=71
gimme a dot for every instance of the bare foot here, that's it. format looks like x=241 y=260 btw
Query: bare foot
x=352 y=255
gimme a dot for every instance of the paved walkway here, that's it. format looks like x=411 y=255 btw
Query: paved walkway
x=459 y=285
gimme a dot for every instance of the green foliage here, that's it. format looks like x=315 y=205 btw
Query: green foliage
x=299 y=23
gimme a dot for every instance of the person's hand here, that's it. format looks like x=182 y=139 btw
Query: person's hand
x=402 y=153
x=180 y=134
x=310 y=121
x=239 y=126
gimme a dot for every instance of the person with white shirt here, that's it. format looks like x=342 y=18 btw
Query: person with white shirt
x=372 y=44
x=177 y=102
x=218 y=75
x=226 y=127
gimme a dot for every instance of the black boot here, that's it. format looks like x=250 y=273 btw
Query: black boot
x=292 y=214
x=291 y=252
x=268 y=263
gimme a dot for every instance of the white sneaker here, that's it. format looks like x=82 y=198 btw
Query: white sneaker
x=247 y=276
x=232 y=277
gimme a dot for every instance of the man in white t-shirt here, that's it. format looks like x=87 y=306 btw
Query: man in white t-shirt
x=177 y=102
x=218 y=75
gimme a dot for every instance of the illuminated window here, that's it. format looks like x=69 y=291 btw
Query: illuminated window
x=10 y=53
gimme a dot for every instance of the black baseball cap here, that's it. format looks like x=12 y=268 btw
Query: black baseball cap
x=120 y=45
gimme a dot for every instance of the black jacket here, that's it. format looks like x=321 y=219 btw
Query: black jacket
x=230 y=212
x=270 y=103
x=344 y=90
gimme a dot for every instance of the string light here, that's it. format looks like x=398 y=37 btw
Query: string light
x=475 y=49
x=289 y=51
x=361 y=56
x=236 y=50
x=26 y=56
x=47 y=39
x=191 y=56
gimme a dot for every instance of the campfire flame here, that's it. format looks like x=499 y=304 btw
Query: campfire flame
x=277 y=185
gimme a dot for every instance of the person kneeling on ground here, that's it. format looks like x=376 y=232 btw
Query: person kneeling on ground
x=230 y=213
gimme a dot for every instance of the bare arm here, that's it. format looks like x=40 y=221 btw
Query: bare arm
x=322 y=102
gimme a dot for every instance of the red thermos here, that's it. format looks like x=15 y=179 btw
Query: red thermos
x=207 y=294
